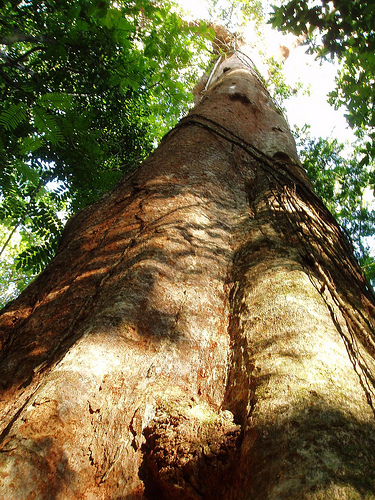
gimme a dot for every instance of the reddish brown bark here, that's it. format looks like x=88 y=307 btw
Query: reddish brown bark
x=195 y=336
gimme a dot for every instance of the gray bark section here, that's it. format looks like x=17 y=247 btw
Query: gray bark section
x=185 y=343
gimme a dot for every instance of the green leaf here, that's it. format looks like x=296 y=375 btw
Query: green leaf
x=13 y=116
x=29 y=144
x=47 y=125
x=74 y=11
x=56 y=101
x=29 y=173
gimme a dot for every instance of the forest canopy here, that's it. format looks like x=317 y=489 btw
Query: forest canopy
x=87 y=89
x=90 y=87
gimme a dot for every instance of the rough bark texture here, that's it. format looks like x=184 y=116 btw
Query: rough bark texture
x=202 y=333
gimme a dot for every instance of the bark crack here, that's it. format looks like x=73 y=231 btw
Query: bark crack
x=16 y=415
x=179 y=311
x=114 y=462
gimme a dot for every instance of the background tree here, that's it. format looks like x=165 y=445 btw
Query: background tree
x=342 y=182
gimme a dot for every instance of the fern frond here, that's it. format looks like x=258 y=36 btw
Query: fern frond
x=34 y=258
x=46 y=124
x=29 y=144
x=55 y=101
x=27 y=172
x=10 y=118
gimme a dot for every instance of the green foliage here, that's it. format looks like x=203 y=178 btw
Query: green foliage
x=88 y=88
x=277 y=86
x=341 y=181
x=346 y=33
x=13 y=116
x=234 y=15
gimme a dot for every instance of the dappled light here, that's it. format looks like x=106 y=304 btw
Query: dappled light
x=202 y=332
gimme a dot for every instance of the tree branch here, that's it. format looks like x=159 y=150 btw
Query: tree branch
x=14 y=62
x=24 y=56
x=17 y=37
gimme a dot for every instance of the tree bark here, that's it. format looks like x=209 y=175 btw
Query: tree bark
x=203 y=332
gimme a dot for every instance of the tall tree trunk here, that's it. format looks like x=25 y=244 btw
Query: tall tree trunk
x=203 y=332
